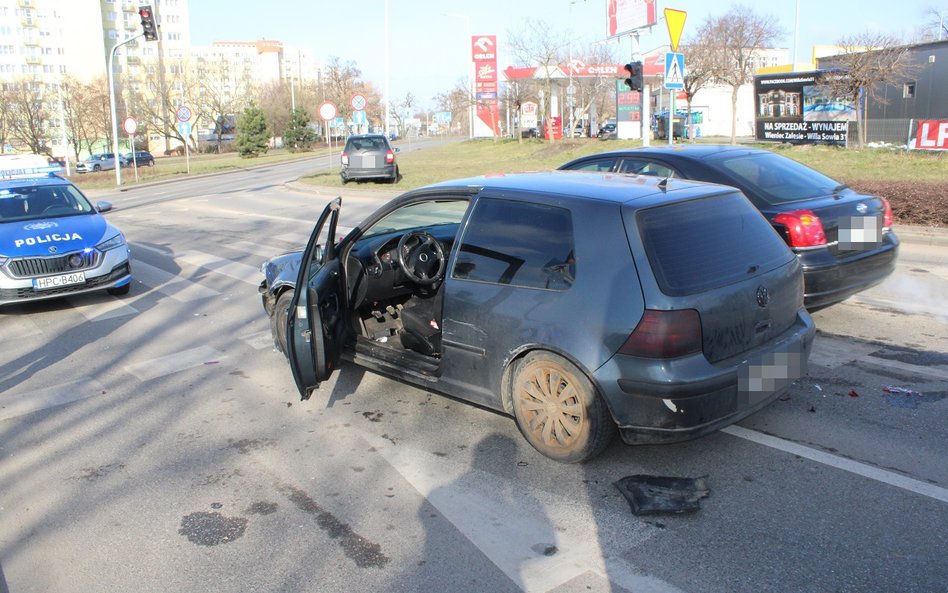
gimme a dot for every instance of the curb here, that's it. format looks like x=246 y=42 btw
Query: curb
x=922 y=235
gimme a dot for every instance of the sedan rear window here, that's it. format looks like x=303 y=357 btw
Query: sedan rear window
x=702 y=244
x=775 y=178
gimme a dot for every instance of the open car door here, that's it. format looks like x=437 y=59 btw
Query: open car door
x=315 y=321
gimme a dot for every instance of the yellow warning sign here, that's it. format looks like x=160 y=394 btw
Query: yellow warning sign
x=675 y=19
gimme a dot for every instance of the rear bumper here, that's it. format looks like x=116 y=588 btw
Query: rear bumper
x=386 y=172
x=829 y=280
x=703 y=397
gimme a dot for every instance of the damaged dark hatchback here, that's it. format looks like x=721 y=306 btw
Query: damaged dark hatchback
x=567 y=300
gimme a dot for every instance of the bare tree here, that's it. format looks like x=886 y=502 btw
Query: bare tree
x=400 y=107
x=457 y=101
x=735 y=41
x=937 y=22
x=699 y=74
x=536 y=44
x=96 y=112
x=868 y=62
x=28 y=116
x=6 y=114
x=220 y=98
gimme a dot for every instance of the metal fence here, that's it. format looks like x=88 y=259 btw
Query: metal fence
x=891 y=131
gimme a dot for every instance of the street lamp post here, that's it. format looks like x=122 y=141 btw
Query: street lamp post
x=115 y=144
x=470 y=75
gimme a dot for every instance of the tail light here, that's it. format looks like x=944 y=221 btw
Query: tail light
x=804 y=228
x=389 y=157
x=887 y=216
x=665 y=334
x=345 y=158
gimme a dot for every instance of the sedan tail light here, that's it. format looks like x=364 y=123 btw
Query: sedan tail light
x=887 y=216
x=345 y=158
x=389 y=157
x=665 y=334
x=804 y=228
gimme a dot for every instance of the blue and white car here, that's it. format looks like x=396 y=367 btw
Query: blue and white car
x=53 y=241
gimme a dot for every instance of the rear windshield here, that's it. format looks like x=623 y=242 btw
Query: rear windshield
x=774 y=178
x=702 y=244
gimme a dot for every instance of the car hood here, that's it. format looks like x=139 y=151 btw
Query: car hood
x=63 y=234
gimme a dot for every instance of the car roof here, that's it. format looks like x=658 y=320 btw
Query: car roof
x=33 y=182
x=687 y=151
x=609 y=187
x=357 y=136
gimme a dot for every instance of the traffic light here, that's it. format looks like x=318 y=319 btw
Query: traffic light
x=634 y=81
x=148 y=23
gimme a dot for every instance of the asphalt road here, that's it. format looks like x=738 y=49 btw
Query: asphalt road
x=156 y=442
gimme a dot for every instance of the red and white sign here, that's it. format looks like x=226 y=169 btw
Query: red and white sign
x=358 y=102
x=627 y=15
x=183 y=113
x=327 y=111
x=130 y=125
x=484 y=56
x=932 y=134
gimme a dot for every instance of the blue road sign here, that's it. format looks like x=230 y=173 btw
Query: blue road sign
x=674 y=70
x=359 y=118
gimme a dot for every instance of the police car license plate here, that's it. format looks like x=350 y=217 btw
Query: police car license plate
x=57 y=281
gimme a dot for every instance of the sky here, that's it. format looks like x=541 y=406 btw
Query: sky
x=429 y=51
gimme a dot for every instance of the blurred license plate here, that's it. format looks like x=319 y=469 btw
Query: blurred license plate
x=368 y=162
x=860 y=232
x=57 y=281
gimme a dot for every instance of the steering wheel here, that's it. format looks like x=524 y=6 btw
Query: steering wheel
x=421 y=257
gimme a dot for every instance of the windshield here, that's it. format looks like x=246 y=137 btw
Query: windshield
x=774 y=178
x=421 y=214
x=42 y=201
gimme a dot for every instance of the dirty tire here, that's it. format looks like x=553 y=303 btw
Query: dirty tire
x=96 y=168
x=558 y=411
x=279 y=319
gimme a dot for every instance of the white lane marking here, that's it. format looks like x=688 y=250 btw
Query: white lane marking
x=855 y=467
x=832 y=353
x=167 y=283
x=297 y=239
x=513 y=526
x=18 y=327
x=906 y=367
x=167 y=252
x=13 y=405
x=235 y=270
x=100 y=310
x=173 y=363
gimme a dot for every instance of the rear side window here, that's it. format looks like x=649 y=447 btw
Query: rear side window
x=775 y=178
x=598 y=165
x=643 y=167
x=702 y=244
x=517 y=243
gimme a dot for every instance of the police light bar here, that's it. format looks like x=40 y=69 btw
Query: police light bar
x=30 y=166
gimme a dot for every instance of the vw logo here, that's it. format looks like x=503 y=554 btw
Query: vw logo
x=53 y=249
x=40 y=226
x=763 y=296
x=862 y=208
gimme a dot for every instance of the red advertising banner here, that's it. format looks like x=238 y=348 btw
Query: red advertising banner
x=484 y=56
x=932 y=134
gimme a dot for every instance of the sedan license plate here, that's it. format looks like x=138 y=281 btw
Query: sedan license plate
x=57 y=281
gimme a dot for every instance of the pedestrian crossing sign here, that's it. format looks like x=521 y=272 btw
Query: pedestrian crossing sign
x=674 y=71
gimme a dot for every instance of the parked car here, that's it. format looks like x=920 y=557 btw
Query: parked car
x=574 y=302
x=843 y=239
x=141 y=158
x=607 y=131
x=369 y=156
x=101 y=161
x=53 y=242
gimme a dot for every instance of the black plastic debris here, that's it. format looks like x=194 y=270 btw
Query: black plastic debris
x=649 y=495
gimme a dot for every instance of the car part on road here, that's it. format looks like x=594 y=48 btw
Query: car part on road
x=650 y=495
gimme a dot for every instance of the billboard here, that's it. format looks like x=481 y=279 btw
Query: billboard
x=795 y=107
x=932 y=134
x=624 y=16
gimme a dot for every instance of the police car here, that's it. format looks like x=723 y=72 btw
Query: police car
x=53 y=241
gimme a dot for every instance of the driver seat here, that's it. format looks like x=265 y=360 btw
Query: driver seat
x=421 y=329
